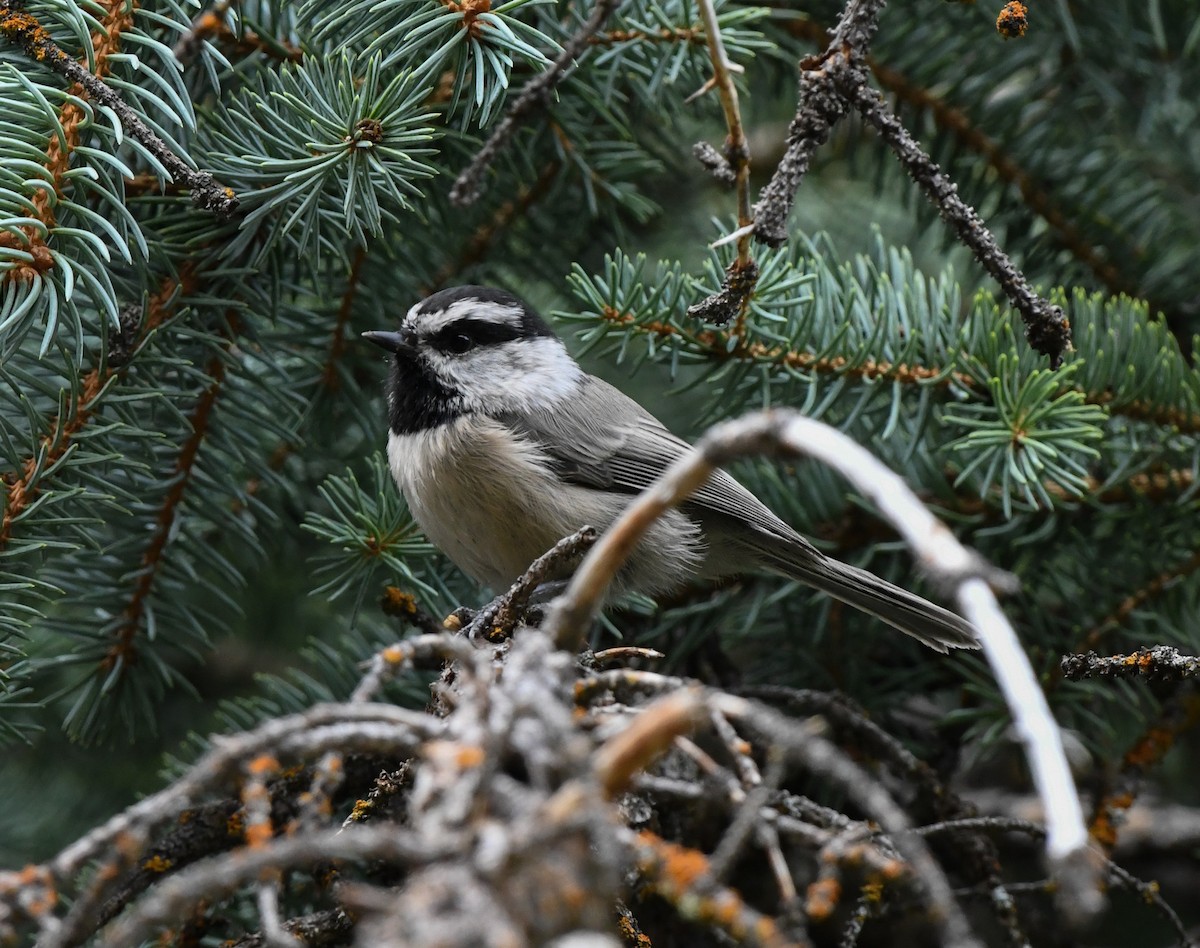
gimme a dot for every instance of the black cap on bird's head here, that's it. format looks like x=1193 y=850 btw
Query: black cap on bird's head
x=469 y=349
x=479 y=313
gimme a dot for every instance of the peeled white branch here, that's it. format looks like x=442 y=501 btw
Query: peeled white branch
x=946 y=561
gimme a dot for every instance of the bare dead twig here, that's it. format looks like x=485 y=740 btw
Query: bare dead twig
x=1046 y=326
x=497 y=620
x=819 y=107
x=730 y=302
x=940 y=555
x=832 y=84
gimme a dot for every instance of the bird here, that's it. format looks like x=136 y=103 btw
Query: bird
x=502 y=444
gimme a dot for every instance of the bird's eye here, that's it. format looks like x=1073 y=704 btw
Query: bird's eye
x=459 y=343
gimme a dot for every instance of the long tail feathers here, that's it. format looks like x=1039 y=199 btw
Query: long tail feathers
x=938 y=628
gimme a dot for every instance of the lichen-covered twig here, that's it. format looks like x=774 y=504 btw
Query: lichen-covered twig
x=941 y=557
x=497 y=619
x=22 y=28
x=1159 y=663
x=1046 y=327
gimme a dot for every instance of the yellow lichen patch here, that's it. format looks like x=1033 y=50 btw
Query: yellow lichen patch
x=361 y=809
x=630 y=934
x=157 y=864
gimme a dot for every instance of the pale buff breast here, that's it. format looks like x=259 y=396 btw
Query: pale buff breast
x=490 y=503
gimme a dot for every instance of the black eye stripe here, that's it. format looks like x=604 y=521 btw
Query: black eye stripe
x=479 y=331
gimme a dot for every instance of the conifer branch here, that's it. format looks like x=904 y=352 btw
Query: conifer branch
x=1180 y=714
x=337 y=342
x=23 y=488
x=534 y=95
x=722 y=346
x=22 y=28
x=481 y=241
x=211 y=24
x=973 y=138
x=122 y=653
x=1046 y=326
x=1148 y=591
x=692 y=36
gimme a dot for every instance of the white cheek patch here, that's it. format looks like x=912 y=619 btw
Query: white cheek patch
x=514 y=376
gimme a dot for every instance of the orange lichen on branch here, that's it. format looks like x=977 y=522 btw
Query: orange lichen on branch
x=822 y=898
x=1145 y=753
x=1013 y=20
x=38 y=895
x=682 y=877
x=398 y=603
x=157 y=864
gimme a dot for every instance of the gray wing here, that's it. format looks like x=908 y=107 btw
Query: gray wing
x=602 y=438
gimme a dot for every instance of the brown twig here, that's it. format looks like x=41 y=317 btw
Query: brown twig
x=23 y=488
x=122 y=652
x=730 y=302
x=496 y=621
x=533 y=95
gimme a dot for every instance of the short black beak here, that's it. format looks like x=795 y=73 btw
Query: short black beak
x=392 y=341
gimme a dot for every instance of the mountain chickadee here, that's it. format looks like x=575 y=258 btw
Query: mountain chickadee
x=502 y=445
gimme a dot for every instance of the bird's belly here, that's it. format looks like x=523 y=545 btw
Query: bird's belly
x=491 y=503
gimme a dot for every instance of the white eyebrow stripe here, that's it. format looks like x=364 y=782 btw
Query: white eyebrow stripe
x=426 y=324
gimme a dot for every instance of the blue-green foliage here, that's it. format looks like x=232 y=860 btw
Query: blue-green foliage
x=325 y=155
